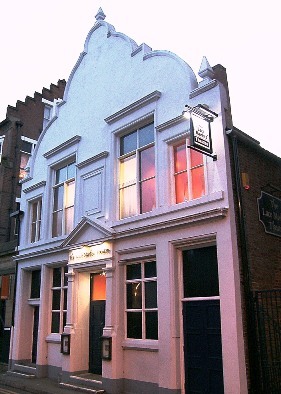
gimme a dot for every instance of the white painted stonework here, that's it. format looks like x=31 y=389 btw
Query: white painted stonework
x=114 y=87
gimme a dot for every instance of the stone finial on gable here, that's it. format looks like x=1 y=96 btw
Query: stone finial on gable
x=100 y=15
x=206 y=72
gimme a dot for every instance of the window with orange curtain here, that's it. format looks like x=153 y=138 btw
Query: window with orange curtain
x=5 y=287
x=98 y=287
x=188 y=172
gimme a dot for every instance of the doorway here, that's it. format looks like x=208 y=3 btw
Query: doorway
x=97 y=321
x=4 y=335
x=35 y=334
x=201 y=322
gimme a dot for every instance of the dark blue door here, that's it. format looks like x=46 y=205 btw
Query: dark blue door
x=202 y=347
x=35 y=334
x=4 y=334
x=97 y=320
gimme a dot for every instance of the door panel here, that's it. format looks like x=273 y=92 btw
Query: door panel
x=35 y=334
x=202 y=347
x=97 y=321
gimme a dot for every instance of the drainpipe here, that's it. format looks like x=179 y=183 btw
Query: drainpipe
x=249 y=305
x=15 y=176
x=17 y=217
x=16 y=214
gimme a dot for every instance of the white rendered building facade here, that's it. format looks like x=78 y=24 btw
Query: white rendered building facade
x=130 y=234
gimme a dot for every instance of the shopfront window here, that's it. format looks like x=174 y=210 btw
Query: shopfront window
x=59 y=299
x=141 y=300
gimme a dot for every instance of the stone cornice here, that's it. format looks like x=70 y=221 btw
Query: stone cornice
x=93 y=159
x=212 y=214
x=171 y=123
x=203 y=88
x=154 y=96
x=34 y=187
x=135 y=123
x=64 y=145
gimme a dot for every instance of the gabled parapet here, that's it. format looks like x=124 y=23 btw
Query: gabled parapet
x=143 y=50
x=55 y=90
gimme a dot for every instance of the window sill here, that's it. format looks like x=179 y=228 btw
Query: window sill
x=43 y=241
x=53 y=338
x=172 y=208
x=34 y=301
x=140 y=345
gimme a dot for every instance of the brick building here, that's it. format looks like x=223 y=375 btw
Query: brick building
x=19 y=133
x=256 y=178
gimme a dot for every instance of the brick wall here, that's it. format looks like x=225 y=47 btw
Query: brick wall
x=25 y=119
x=264 y=250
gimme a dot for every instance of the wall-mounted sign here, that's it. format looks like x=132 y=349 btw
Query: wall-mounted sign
x=90 y=253
x=106 y=348
x=65 y=344
x=270 y=213
x=200 y=134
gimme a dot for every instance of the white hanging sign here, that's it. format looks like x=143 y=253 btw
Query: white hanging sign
x=200 y=133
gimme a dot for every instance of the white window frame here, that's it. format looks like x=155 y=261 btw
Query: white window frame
x=51 y=105
x=2 y=137
x=135 y=153
x=61 y=288
x=64 y=184
x=29 y=154
x=38 y=221
x=143 y=309
x=180 y=141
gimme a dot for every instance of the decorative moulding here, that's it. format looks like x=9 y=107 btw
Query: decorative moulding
x=154 y=96
x=216 y=213
x=206 y=71
x=133 y=254
x=196 y=240
x=135 y=122
x=64 y=145
x=202 y=89
x=106 y=232
x=170 y=123
x=34 y=187
x=143 y=48
x=93 y=159
x=25 y=179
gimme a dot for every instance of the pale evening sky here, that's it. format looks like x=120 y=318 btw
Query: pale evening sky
x=40 y=43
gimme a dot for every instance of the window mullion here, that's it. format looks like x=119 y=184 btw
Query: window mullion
x=61 y=299
x=36 y=221
x=188 y=172
x=138 y=180
x=143 y=301
x=63 y=221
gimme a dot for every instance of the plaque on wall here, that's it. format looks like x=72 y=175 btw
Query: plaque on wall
x=269 y=208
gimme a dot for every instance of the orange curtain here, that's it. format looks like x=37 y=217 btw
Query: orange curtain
x=5 y=288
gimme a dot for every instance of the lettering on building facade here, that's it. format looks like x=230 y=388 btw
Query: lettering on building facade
x=89 y=253
x=269 y=208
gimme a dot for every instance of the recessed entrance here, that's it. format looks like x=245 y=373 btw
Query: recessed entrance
x=35 y=334
x=201 y=322
x=97 y=321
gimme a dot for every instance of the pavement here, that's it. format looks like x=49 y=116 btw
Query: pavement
x=31 y=385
